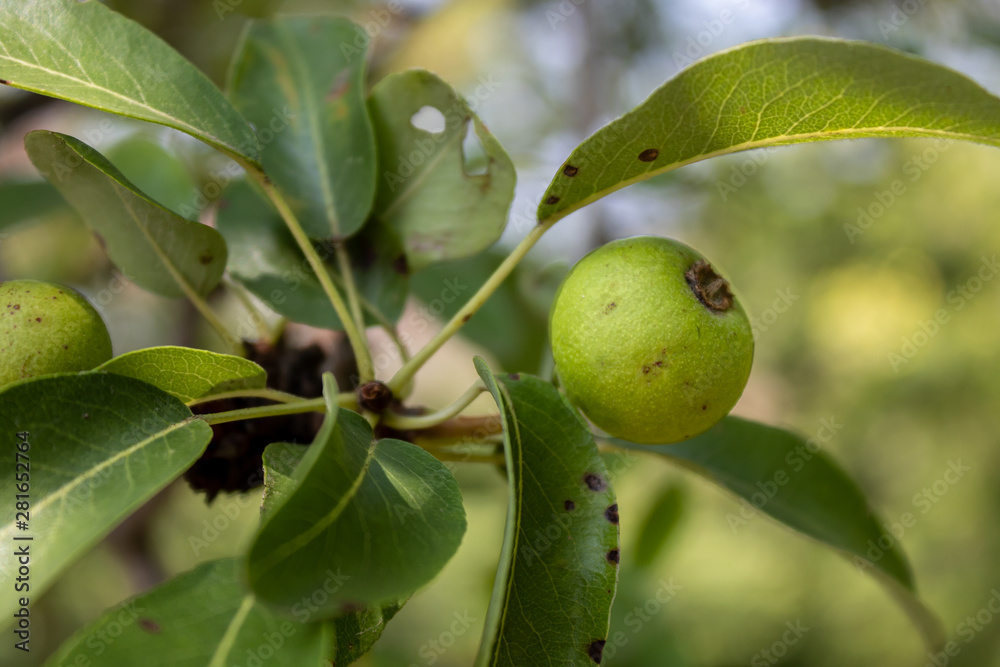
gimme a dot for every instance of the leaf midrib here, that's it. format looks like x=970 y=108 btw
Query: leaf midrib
x=304 y=538
x=779 y=140
x=67 y=488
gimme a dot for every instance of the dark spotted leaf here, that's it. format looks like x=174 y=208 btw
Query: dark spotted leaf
x=558 y=568
x=202 y=618
x=771 y=93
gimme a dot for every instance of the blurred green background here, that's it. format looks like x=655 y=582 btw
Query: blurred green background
x=844 y=253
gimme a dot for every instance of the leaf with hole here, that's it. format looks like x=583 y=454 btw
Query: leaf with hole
x=427 y=191
x=368 y=522
x=85 y=53
x=770 y=93
x=187 y=373
x=294 y=80
x=155 y=248
x=201 y=618
x=100 y=445
x=558 y=567
x=264 y=258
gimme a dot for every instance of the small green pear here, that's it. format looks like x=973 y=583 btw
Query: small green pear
x=47 y=328
x=649 y=341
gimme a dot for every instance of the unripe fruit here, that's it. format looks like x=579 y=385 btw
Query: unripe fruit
x=648 y=340
x=47 y=328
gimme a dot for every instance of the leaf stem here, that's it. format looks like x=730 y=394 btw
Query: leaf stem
x=280 y=409
x=353 y=299
x=272 y=394
x=413 y=423
x=410 y=368
x=358 y=342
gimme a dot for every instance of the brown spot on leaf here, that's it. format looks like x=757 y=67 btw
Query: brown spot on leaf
x=611 y=306
x=467 y=317
x=553 y=199
x=4 y=82
x=150 y=626
x=570 y=170
x=569 y=505
x=649 y=155
x=400 y=266
x=595 y=650
x=38 y=319
x=206 y=258
x=613 y=556
x=611 y=514
x=594 y=482
x=515 y=376
x=704 y=407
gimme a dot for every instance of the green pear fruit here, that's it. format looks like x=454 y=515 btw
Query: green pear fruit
x=47 y=328
x=649 y=341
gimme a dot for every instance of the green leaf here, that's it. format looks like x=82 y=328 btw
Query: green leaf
x=100 y=446
x=354 y=633
x=293 y=79
x=426 y=191
x=770 y=93
x=369 y=522
x=156 y=172
x=794 y=481
x=85 y=53
x=558 y=568
x=26 y=201
x=660 y=524
x=264 y=257
x=202 y=618
x=154 y=247
x=187 y=373
x=280 y=461
x=513 y=323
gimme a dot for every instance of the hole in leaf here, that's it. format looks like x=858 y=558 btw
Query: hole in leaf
x=428 y=119
x=474 y=158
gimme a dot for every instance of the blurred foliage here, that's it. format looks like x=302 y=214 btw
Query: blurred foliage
x=831 y=307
